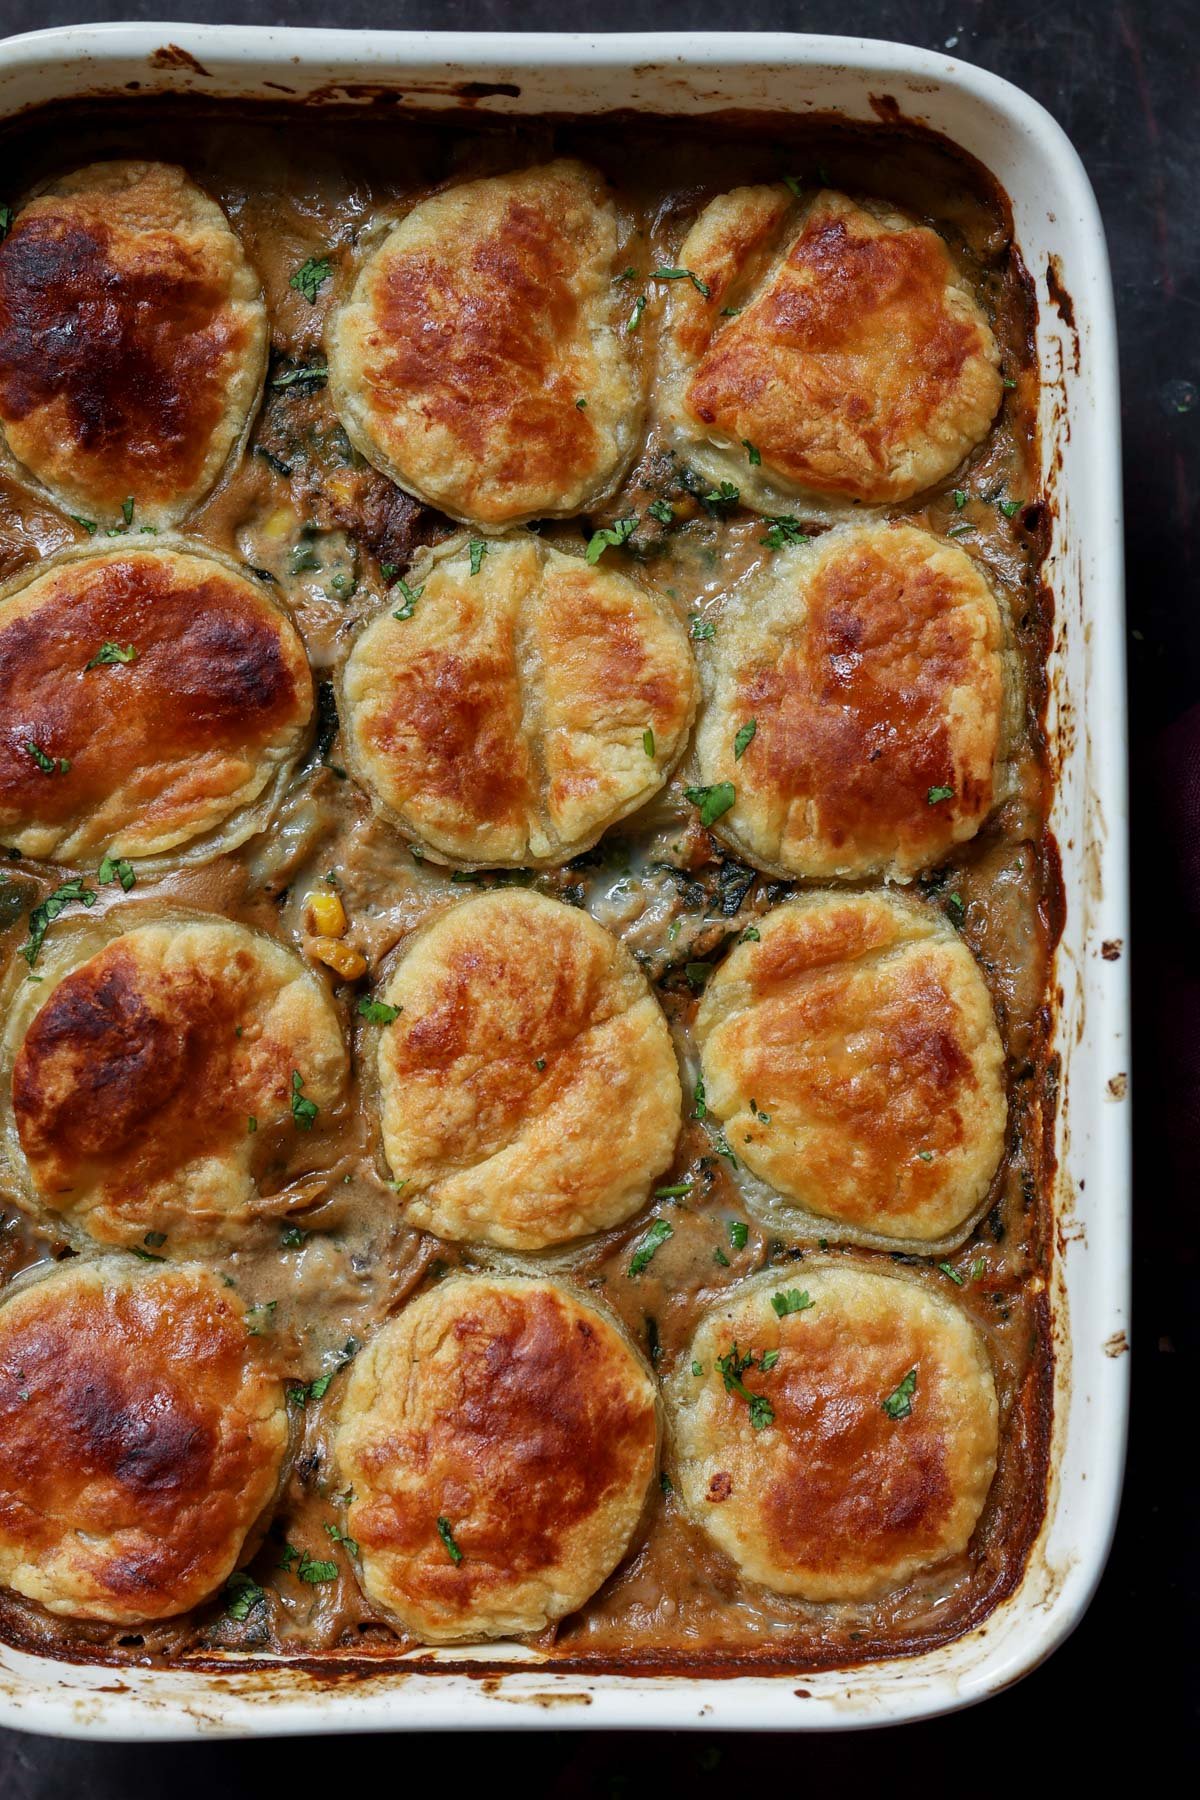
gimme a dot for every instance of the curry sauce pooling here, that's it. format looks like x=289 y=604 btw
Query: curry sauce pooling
x=326 y=537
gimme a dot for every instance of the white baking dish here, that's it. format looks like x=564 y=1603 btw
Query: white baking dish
x=1058 y=229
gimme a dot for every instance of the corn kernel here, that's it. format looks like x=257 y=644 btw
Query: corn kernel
x=326 y=913
x=343 y=959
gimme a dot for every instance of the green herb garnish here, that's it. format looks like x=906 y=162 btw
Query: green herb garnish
x=49 y=765
x=610 y=537
x=937 y=794
x=44 y=915
x=635 y=317
x=898 y=1404
x=447 y=1537
x=731 y=1367
x=783 y=531
x=411 y=595
x=791 y=1301
x=377 y=1012
x=478 y=550
x=657 y=1235
x=662 y=510
x=111 y=653
x=744 y=739
x=702 y=629
x=116 y=868
x=303 y=1111
x=739 y=1234
x=648 y=741
x=752 y=453
x=712 y=801
x=310 y=277
x=700 y=285
x=314 y=372
x=242 y=1594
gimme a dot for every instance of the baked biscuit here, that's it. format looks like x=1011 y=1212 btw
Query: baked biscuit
x=499 y=1439
x=511 y=715
x=154 y=701
x=836 y=359
x=154 y=1082
x=867 y=673
x=133 y=341
x=481 y=360
x=529 y=1089
x=142 y=1437
x=860 y=1456
x=853 y=1058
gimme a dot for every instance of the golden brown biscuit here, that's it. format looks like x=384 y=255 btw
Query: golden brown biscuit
x=529 y=1088
x=861 y=1454
x=151 y=699
x=867 y=672
x=142 y=1436
x=499 y=1438
x=473 y=332
x=133 y=341
x=513 y=714
x=836 y=359
x=154 y=1081
x=852 y=1055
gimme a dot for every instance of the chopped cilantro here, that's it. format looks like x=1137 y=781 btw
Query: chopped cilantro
x=303 y=1111
x=739 y=1233
x=657 y=1235
x=648 y=741
x=349 y=1544
x=937 y=794
x=113 y=869
x=44 y=915
x=312 y=1569
x=699 y=1109
x=952 y=1272
x=111 y=653
x=731 y=1367
x=751 y=935
x=377 y=1012
x=700 y=286
x=712 y=801
x=791 y=1301
x=478 y=549
x=635 y=317
x=720 y=1258
x=1010 y=508
x=702 y=629
x=447 y=1537
x=752 y=453
x=49 y=765
x=767 y=1363
x=581 y=403
x=724 y=494
x=242 y=1594
x=662 y=510
x=610 y=537
x=310 y=277
x=783 y=530
x=744 y=739
x=127 y=510
x=317 y=373
x=898 y=1404
x=410 y=596
x=959 y=497
x=89 y=525
x=956 y=908
x=293 y=1237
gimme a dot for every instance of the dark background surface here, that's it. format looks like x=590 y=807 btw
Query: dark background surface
x=1124 y=80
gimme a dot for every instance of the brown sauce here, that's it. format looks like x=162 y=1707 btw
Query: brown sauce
x=316 y=523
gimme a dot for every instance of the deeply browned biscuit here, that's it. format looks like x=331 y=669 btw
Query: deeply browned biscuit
x=859 y=1456
x=868 y=668
x=150 y=699
x=472 y=335
x=154 y=1087
x=853 y=1057
x=499 y=1438
x=133 y=341
x=836 y=359
x=142 y=1434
